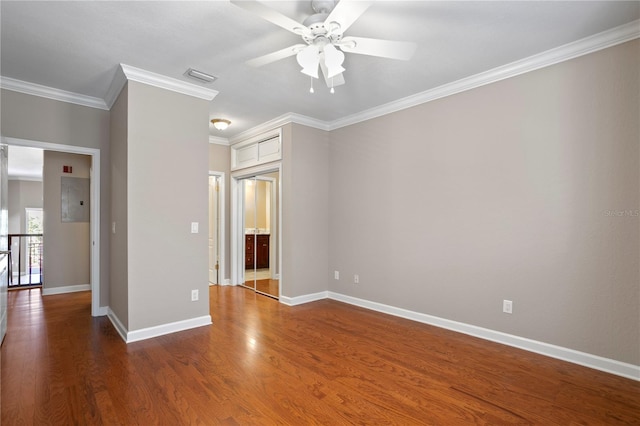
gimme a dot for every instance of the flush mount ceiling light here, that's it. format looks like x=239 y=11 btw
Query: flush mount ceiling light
x=323 y=33
x=202 y=77
x=220 y=123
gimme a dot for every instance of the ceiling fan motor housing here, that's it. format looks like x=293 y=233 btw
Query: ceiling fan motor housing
x=323 y=6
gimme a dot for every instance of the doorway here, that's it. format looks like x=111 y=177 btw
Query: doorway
x=257 y=232
x=216 y=228
x=94 y=209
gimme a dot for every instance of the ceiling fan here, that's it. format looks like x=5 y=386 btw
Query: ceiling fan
x=323 y=33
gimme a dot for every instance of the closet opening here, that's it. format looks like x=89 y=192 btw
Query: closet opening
x=257 y=233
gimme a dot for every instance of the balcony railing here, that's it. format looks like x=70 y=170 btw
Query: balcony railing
x=25 y=260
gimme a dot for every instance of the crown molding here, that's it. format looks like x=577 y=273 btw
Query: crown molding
x=34 y=89
x=167 y=83
x=603 y=40
x=218 y=140
x=117 y=84
x=280 y=121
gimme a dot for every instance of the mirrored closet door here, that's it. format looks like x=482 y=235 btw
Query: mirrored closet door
x=260 y=240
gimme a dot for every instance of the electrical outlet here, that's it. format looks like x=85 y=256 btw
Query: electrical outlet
x=507 y=306
x=356 y=278
x=336 y=275
x=194 y=295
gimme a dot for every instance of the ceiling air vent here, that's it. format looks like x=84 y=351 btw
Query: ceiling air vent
x=202 y=77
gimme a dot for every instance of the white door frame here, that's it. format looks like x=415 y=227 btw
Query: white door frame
x=221 y=231
x=237 y=221
x=94 y=153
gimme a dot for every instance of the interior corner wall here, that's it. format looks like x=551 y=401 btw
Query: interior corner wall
x=119 y=288
x=23 y=194
x=305 y=210
x=526 y=189
x=67 y=124
x=220 y=161
x=66 y=245
x=167 y=190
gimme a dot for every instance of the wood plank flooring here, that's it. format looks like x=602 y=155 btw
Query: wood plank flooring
x=262 y=362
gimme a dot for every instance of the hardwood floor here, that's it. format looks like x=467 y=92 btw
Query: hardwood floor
x=262 y=362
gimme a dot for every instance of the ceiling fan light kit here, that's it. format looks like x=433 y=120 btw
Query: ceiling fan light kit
x=323 y=33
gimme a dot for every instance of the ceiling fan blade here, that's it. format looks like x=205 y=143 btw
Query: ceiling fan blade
x=271 y=15
x=338 y=80
x=346 y=12
x=276 y=56
x=384 y=48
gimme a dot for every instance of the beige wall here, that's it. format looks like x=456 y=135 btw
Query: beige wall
x=119 y=270
x=66 y=245
x=45 y=120
x=167 y=189
x=22 y=194
x=219 y=161
x=508 y=191
x=305 y=210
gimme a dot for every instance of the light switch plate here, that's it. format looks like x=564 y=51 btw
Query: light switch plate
x=194 y=227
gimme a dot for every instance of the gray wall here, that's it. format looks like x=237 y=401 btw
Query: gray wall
x=119 y=288
x=66 y=245
x=305 y=210
x=167 y=189
x=40 y=119
x=509 y=191
x=220 y=161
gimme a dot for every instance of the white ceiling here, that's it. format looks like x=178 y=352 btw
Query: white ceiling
x=76 y=46
x=25 y=163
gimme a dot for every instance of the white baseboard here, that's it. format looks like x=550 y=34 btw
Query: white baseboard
x=618 y=368
x=117 y=324
x=299 y=300
x=67 y=289
x=102 y=311
x=173 y=327
x=158 y=330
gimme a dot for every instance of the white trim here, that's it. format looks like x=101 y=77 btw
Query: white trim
x=563 y=53
x=117 y=324
x=167 y=83
x=172 y=327
x=299 y=300
x=102 y=311
x=117 y=84
x=155 y=331
x=268 y=126
x=223 y=223
x=581 y=358
x=65 y=289
x=95 y=205
x=218 y=140
x=34 y=89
